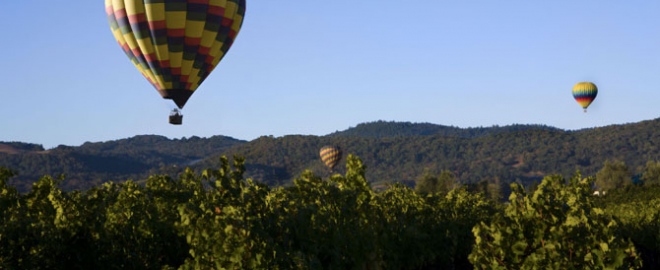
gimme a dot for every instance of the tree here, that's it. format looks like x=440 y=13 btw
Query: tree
x=431 y=184
x=651 y=175
x=613 y=175
x=489 y=188
x=556 y=227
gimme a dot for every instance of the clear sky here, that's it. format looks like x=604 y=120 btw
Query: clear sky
x=315 y=67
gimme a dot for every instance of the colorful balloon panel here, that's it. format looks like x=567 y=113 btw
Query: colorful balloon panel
x=331 y=155
x=585 y=93
x=175 y=44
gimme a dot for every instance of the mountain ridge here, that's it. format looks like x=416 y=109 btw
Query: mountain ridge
x=384 y=129
x=393 y=151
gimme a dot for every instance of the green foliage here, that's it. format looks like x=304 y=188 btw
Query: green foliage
x=489 y=188
x=556 y=227
x=613 y=175
x=637 y=210
x=224 y=225
x=218 y=219
x=628 y=194
x=8 y=194
x=651 y=174
x=109 y=227
x=463 y=210
x=340 y=223
x=441 y=184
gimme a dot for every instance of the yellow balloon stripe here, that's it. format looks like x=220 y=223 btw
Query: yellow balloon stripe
x=194 y=30
x=126 y=40
x=155 y=15
x=230 y=13
x=176 y=22
x=143 y=38
x=206 y=43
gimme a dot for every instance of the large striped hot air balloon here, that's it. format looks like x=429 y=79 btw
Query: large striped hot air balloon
x=330 y=155
x=585 y=93
x=175 y=44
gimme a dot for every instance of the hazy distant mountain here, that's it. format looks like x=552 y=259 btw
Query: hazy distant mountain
x=392 y=151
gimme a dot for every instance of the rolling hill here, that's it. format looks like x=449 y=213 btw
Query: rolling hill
x=392 y=151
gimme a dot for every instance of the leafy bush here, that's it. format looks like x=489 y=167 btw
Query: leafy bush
x=216 y=219
x=556 y=227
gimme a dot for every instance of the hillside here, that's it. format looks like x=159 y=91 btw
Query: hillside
x=19 y=147
x=392 y=151
x=385 y=129
x=524 y=154
x=119 y=160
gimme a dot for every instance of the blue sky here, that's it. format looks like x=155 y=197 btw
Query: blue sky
x=314 y=67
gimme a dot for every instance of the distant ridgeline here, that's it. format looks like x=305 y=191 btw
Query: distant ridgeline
x=382 y=129
x=392 y=152
x=19 y=147
x=93 y=163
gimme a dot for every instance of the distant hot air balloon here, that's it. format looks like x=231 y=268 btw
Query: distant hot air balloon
x=584 y=93
x=175 y=44
x=331 y=155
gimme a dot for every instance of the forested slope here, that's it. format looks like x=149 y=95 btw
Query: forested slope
x=522 y=154
x=93 y=163
x=393 y=151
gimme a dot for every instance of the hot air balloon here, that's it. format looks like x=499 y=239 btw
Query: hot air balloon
x=175 y=44
x=585 y=93
x=331 y=155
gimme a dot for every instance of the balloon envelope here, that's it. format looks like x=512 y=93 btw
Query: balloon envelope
x=331 y=155
x=175 y=44
x=585 y=93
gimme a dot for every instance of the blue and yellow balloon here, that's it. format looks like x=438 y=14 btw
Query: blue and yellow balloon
x=585 y=93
